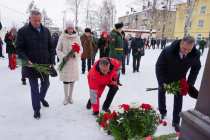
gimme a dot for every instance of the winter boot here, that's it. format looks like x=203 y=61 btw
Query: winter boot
x=66 y=89
x=45 y=103
x=71 y=92
x=37 y=115
x=88 y=106
x=23 y=81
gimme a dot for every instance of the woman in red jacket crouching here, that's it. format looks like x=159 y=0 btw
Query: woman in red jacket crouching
x=103 y=73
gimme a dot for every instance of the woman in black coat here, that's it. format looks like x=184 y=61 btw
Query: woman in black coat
x=103 y=44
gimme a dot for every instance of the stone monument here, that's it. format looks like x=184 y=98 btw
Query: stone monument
x=196 y=123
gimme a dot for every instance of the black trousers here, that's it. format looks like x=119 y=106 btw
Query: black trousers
x=153 y=46
x=23 y=79
x=109 y=98
x=178 y=99
x=201 y=49
x=84 y=64
x=163 y=46
x=123 y=64
x=136 y=62
x=1 y=53
x=158 y=45
x=38 y=93
x=93 y=58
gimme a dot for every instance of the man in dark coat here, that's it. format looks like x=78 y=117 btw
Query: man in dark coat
x=173 y=65
x=1 y=48
x=1 y=43
x=137 y=46
x=34 y=46
x=202 y=44
x=153 y=43
x=158 y=43
x=163 y=43
x=88 y=46
x=0 y=25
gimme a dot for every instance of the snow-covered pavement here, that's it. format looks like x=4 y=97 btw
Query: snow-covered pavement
x=74 y=122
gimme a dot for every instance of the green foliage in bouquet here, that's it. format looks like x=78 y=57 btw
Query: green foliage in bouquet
x=172 y=88
x=41 y=68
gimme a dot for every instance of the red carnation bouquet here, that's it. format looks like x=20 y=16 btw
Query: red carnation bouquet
x=176 y=87
x=130 y=121
x=75 y=48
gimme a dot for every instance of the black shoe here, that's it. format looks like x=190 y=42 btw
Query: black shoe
x=176 y=127
x=37 y=115
x=88 y=106
x=123 y=71
x=24 y=82
x=163 y=116
x=119 y=84
x=95 y=113
x=45 y=103
x=137 y=70
x=134 y=71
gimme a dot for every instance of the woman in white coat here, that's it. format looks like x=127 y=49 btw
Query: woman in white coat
x=70 y=72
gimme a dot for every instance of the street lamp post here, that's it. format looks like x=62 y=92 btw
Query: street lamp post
x=209 y=40
x=165 y=13
x=64 y=18
x=136 y=19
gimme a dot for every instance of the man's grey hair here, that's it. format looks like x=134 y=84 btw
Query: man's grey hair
x=35 y=13
x=104 y=62
x=188 y=39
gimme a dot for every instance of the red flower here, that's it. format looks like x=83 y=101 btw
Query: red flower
x=106 y=116
x=148 y=138
x=164 y=123
x=75 y=47
x=184 y=87
x=146 y=106
x=125 y=107
x=103 y=124
x=161 y=121
x=113 y=115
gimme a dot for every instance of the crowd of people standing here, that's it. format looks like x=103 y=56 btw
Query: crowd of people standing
x=35 y=44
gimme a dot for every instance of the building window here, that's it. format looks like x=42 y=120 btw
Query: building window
x=203 y=10
x=200 y=23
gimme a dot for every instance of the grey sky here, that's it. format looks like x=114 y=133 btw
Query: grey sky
x=13 y=12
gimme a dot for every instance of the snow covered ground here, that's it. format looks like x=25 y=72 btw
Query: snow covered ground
x=74 y=122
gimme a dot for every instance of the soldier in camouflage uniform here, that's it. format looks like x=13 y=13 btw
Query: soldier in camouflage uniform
x=116 y=42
